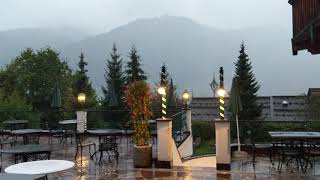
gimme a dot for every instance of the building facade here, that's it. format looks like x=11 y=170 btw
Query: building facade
x=277 y=108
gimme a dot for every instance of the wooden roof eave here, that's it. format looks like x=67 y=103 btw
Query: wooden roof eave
x=299 y=37
x=309 y=27
x=291 y=2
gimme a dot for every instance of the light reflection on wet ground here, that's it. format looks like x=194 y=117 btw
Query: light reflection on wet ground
x=93 y=169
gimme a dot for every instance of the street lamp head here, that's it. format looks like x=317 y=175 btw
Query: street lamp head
x=186 y=96
x=81 y=98
x=221 y=92
x=162 y=90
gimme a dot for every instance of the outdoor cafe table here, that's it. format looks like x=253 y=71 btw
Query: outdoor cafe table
x=300 y=136
x=6 y=176
x=40 y=167
x=71 y=123
x=25 y=132
x=25 y=151
x=21 y=132
x=13 y=123
x=105 y=132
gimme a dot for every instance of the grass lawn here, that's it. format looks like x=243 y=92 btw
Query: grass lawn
x=206 y=147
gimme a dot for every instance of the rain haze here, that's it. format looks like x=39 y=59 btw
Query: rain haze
x=98 y=16
x=203 y=35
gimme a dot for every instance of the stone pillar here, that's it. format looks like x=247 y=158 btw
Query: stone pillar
x=188 y=120
x=164 y=143
x=189 y=128
x=81 y=121
x=223 y=150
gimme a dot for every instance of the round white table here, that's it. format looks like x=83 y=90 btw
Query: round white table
x=40 y=167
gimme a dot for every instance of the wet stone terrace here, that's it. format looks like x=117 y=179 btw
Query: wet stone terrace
x=93 y=169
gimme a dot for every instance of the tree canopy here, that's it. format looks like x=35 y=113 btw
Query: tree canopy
x=82 y=84
x=32 y=75
x=114 y=76
x=248 y=88
x=134 y=70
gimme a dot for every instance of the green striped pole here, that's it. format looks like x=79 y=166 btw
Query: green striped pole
x=164 y=105
x=162 y=91
x=221 y=95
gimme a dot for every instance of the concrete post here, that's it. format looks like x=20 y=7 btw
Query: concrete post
x=223 y=150
x=164 y=143
x=189 y=149
x=81 y=121
x=188 y=120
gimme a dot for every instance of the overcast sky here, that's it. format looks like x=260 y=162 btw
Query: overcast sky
x=96 y=16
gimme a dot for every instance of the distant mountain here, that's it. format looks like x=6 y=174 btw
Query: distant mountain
x=193 y=52
x=12 y=42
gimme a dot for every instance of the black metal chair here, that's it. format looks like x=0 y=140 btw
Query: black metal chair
x=80 y=145
x=53 y=133
x=310 y=153
x=289 y=151
x=32 y=138
x=68 y=134
x=267 y=149
x=108 y=144
x=6 y=139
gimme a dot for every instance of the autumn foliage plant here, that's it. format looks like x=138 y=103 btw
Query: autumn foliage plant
x=138 y=99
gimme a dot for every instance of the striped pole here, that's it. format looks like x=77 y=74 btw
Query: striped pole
x=221 y=97
x=164 y=106
x=162 y=92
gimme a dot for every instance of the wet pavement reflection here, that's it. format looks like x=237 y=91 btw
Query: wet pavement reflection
x=86 y=168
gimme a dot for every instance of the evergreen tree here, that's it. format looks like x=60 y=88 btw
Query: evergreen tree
x=114 y=75
x=164 y=77
x=134 y=71
x=248 y=88
x=82 y=81
x=83 y=85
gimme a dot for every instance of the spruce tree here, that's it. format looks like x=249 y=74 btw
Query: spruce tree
x=82 y=79
x=164 y=78
x=134 y=71
x=83 y=85
x=114 y=75
x=248 y=88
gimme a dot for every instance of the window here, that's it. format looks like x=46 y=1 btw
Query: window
x=285 y=103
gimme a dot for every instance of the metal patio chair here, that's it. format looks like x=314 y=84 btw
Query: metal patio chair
x=108 y=144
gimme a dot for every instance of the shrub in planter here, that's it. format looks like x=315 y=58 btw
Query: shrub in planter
x=138 y=98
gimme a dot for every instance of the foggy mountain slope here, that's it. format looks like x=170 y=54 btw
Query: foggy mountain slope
x=12 y=42
x=193 y=52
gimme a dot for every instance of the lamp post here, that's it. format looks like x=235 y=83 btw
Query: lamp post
x=162 y=92
x=81 y=114
x=222 y=128
x=186 y=96
x=213 y=86
x=221 y=93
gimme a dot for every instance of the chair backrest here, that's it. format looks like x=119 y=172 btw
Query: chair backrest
x=108 y=142
x=33 y=138
x=3 y=137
